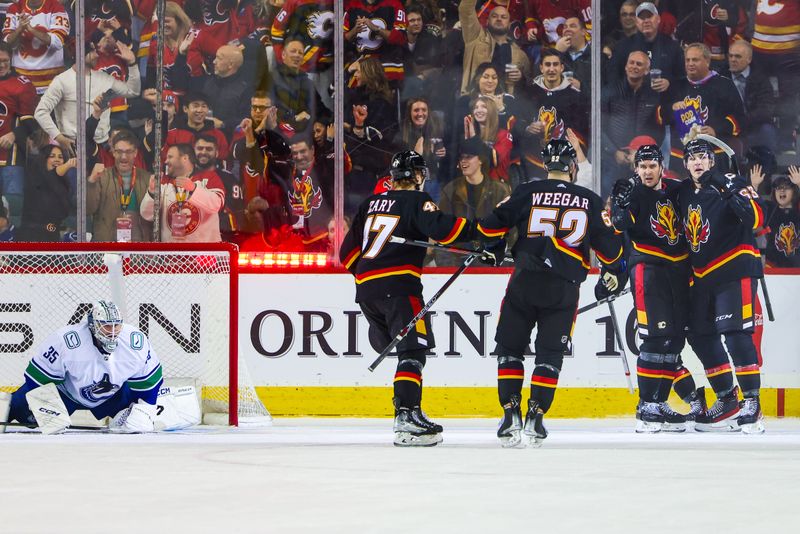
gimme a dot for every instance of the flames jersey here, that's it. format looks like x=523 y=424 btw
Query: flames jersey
x=117 y=68
x=69 y=359
x=314 y=22
x=652 y=225
x=719 y=230
x=388 y=14
x=777 y=26
x=547 y=17
x=40 y=63
x=783 y=239
x=17 y=101
x=385 y=269
x=557 y=223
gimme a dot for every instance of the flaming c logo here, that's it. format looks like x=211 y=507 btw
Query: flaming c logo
x=697 y=230
x=665 y=224
x=553 y=126
x=786 y=239
x=304 y=197
x=321 y=24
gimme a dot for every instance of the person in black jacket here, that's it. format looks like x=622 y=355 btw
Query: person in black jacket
x=47 y=195
x=422 y=55
x=758 y=98
x=228 y=89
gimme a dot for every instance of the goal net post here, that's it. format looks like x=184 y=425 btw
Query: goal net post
x=184 y=297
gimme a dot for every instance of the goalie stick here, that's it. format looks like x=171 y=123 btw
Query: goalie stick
x=735 y=168
x=70 y=427
x=407 y=328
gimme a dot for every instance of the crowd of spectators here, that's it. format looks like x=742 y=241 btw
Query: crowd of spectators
x=477 y=87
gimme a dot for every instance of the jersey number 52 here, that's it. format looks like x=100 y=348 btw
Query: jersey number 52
x=548 y=221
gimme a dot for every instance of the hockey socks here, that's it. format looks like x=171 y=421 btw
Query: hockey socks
x=721 y=379
x=683 y=383
x=408 y=383
x=510 y=375
x=650 y=375
x=544 y=381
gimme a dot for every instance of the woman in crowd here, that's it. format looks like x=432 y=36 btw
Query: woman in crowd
x=176 y=27
x=489 y=83
x=782 y=218
x=483 y=123
x=422 y=131
x=47 y=195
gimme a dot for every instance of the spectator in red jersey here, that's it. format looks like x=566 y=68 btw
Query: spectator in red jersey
x=377 y=28
x=216 y=23
x=176 y=27
x=109 y=16
x=232 y=214
x=18 y=99
x=190 y=199
x=37 y=31
x=108 y=61
x=195 y=120
x=483 y=123
x=313 y=22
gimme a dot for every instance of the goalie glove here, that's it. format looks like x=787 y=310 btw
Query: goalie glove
x=494 y=253
x=610 y=283
x=137 y=418
x=621 y=192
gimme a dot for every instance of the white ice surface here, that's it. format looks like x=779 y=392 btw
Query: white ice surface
x=343 y=475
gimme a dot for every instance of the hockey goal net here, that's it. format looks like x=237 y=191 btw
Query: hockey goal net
x=183 y=297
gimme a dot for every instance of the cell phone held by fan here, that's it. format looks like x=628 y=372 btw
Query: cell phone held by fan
x=105 y=100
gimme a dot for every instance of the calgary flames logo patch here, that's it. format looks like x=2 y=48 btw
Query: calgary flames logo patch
x=786 y=239
x=553 y=126
x=665 y=224
x=304 y=197
x=320 y=24
x=696 y=228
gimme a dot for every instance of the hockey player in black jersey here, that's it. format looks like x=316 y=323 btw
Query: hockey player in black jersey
x=558 y=222
x=643 y=206
x=388 y=286
x=720 y=213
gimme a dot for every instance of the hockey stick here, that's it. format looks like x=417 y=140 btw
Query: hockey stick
x=621 y=343
x=439 y=246
x=735 y=168
x=600 y=302
x=407 y=328
x=70 y=427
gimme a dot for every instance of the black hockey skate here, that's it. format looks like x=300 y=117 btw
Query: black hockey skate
x=751 y=420
x=649 y=419
x=673 y=421
x=510 y=429
x=721 y=417
x=412 y=428
x=534 y=431
x=697 y=404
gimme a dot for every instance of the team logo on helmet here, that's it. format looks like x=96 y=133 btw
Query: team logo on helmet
x=553 y=126
x=696 y=228
x=787 y=240
x=665 y=224
x=320 y=25
x=304 y=197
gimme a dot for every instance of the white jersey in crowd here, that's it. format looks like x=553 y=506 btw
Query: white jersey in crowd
x=69 y=358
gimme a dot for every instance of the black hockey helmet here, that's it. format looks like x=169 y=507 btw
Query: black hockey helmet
x=698 y=146
x=648 y=153
x=558 y=155
x=405 y=164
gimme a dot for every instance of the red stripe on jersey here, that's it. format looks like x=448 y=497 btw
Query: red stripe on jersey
x=758 y=214
x=725 y=258
x=455 y=232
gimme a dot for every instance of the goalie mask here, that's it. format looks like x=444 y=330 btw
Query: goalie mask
x=559 y=155
x=105 y=324
x=404 y=168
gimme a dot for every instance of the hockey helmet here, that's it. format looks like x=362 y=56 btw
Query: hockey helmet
x=648 y=153
x=105 y=324
x=698 y=146
x=558 y=155
x=404 y=167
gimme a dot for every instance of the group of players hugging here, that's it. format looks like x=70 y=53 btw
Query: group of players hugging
x=688 y=247
x=691 y=257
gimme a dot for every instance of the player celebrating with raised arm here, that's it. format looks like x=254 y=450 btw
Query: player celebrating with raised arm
x=558 y=222
x=101 y=365
x=643 y=206
x=720 y=212
x=388 y=286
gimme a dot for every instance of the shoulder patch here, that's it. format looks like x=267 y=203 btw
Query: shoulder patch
x=137 y=341
x=72 y=339
x=430 y=206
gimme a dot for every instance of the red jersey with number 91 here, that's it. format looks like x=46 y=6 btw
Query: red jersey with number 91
x=17 y=99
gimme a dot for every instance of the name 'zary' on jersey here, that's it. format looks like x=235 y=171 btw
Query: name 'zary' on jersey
x=719 y=230
x=558 y=224
x=653 y=225
x=386 y=269
x=69 y=358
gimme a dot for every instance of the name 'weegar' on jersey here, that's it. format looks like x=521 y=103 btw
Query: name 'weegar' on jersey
x=652 y=224
x=558 y=223
x=719 y=230
x=386 y=269
x=69 y=358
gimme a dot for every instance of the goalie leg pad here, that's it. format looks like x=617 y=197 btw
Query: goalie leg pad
x=48 y=409
x=135 y=419
x=5 y=409
x=177 y=408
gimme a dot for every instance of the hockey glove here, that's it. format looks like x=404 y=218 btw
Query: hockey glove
x=494 y=253
x=621 y=192
x=610 y=283
x=716 y=180
x=137 y=418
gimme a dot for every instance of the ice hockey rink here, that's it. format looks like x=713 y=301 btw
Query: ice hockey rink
x=344 y=475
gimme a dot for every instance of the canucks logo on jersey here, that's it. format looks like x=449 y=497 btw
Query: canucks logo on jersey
x=666 y=224
x=98 y=391
x=697 y=229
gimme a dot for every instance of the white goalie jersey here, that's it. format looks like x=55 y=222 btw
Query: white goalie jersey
x=69 y=358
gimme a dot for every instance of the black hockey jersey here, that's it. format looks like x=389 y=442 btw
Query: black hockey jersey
x=783 y=239
x=558 y=222
x=386 y=269
x=719 y=230
x=652 y=225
